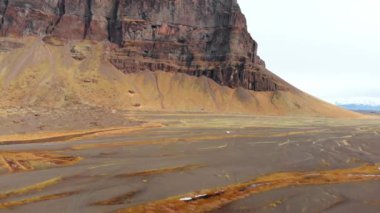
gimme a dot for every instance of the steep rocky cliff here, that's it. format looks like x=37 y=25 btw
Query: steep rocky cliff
x=147 y=55
x=197 y=37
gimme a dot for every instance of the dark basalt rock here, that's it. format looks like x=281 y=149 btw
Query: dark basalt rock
x=196 y=37
x=114 y=25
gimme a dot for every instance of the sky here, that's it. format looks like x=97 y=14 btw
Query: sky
x=327 y=48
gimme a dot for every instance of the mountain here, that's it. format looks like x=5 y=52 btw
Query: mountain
x=360 y=103
x=183 y=55
x=361 y=107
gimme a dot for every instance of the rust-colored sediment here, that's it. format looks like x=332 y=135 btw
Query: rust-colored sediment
x=31 y=188
x=118 y=200
x=121 y=199
x=27 y=161
x=25 y=201
x=46 y=137
x=161 y=171
x=212 y=199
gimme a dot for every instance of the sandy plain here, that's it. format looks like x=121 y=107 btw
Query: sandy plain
x=98 y=160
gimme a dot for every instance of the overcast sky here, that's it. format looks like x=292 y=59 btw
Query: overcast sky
x=328 y=48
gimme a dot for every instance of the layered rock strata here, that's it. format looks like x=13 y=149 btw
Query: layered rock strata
x=197 y=37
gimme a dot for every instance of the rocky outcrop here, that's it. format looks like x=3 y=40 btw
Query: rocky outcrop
x=197 y=37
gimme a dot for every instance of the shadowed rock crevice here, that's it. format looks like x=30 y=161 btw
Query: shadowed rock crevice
x=3 y=10
x=172 y=10
x=60 y=12
x=114 y=25
x=87 y=17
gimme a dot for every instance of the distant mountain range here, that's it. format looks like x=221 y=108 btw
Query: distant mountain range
x=358 y=103
x=361 y=107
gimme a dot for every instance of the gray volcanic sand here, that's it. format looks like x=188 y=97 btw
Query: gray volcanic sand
x=228 y=148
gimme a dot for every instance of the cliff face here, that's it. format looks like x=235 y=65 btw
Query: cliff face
x=197 y=37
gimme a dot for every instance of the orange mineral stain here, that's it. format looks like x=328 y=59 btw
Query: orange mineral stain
x=27 y=161
x=211 y=199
